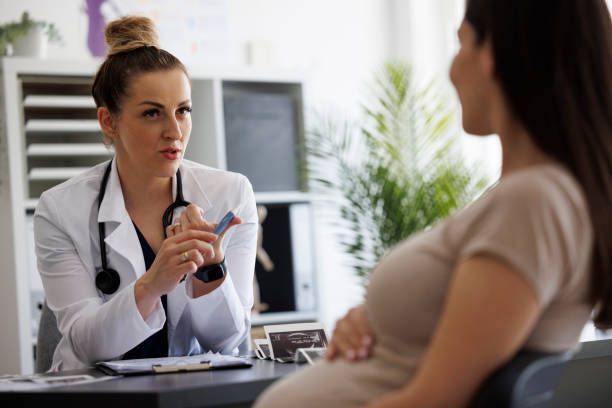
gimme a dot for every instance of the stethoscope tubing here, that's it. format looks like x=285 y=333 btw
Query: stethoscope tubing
x=107 y=279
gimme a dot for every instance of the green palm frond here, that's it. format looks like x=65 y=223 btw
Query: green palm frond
x=394 y=174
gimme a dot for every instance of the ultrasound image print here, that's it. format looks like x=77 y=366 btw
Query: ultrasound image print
x=284 y=344
x=265 y=349
x=309 y=355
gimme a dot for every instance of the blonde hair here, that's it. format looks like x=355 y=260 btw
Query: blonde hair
x=130 y=32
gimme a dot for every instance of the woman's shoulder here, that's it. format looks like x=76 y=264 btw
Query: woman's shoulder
x=75 y=189
x=217 y=182
x=550 y=187
x=536 y=201
x=211 y=174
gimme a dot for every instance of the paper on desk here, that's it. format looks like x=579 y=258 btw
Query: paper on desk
x=216 y=360
x=37 y=381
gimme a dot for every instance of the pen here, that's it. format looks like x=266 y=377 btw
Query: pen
x=227 y=218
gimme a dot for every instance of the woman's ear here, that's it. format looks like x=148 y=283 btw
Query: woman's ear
x=107 y=123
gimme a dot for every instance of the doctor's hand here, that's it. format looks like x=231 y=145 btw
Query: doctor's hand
x=191 y=219
x=178 y=255
x=353 y=338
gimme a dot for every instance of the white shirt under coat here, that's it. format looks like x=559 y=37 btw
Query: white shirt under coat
x=97 y=327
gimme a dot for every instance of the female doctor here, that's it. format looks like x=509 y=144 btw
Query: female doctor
x=119 y=279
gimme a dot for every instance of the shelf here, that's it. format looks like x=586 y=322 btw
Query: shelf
x=54 y=126
x=283 y=317
x=67 y=149
x=55 y=173
x=57 y=101
x=283 y=197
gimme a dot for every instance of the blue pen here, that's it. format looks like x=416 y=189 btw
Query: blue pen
x=227 y=218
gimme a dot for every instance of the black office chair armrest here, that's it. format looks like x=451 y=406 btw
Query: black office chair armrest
x=48 y=338
x=528 y=380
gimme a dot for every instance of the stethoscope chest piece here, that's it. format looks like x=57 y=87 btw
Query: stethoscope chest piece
x=107 y=281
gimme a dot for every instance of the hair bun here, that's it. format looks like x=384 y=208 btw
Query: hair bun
x=131 y=32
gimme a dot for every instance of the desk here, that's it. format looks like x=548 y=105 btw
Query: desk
x=233 y=387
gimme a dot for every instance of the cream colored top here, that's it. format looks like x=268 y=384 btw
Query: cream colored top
x=535 y=220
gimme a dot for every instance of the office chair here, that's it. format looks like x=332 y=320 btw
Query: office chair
x=48 y=337
x=585 y=382
x=526 y=381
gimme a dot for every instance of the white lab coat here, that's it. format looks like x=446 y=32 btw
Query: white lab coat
x=98 y=327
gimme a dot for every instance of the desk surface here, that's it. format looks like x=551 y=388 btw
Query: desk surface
x=231 y=387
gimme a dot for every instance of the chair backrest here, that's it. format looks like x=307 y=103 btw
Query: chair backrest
x=46 y=342
x=526 y=381
x=585 y=382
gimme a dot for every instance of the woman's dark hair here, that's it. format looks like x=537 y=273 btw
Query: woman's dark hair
x=553 y=59
x=133 y=49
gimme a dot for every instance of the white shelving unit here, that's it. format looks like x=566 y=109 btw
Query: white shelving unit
x=49 y=133
x=61 y=126
x=54 y=173
x=66 y=149
x=58 y=101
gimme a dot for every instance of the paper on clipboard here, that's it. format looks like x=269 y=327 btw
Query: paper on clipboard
x=208 y=361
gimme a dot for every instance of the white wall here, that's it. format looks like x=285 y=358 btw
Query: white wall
x=67 y=15
x=424 y=32
x=337 y=43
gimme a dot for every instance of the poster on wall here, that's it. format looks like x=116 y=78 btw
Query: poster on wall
x=197 y=31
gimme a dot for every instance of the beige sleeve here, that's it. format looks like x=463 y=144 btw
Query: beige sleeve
x=523 y=224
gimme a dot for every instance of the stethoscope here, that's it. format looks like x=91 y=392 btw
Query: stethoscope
x=107 y=280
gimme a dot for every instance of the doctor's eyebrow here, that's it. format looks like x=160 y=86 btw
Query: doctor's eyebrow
x=159 y=105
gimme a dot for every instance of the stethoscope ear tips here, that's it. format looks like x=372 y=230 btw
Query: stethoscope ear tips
x=107 y=281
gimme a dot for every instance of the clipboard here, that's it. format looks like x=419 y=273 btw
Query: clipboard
x=166 y=365
x=162 y=369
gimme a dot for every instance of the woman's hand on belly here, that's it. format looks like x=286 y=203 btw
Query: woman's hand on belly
x=353 y=338
x=179 y=255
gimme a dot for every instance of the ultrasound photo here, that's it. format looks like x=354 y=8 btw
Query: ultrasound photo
x=286 y=339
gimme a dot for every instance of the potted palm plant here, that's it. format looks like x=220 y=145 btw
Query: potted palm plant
x=27 y=37
x=393 y=174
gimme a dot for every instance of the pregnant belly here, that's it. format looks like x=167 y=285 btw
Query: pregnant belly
x=337 y=384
